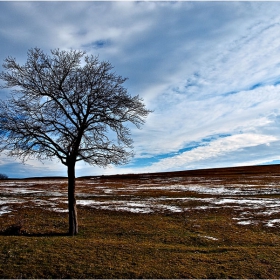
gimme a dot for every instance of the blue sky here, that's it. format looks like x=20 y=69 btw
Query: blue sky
x=209 y=70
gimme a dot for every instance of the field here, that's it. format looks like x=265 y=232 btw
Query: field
x=219 y=223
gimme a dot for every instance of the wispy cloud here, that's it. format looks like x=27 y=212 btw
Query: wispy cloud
x=217 y=148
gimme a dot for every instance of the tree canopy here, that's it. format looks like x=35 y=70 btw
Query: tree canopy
x=67 y=105
x=59 y=108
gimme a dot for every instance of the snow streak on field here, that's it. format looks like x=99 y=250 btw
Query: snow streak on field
x=252 y=200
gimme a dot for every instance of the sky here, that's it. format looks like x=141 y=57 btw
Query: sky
x=210 y=71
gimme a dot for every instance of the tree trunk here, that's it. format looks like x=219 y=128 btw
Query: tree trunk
x=73 y=218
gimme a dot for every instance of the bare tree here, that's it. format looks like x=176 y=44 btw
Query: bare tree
x=71 y=106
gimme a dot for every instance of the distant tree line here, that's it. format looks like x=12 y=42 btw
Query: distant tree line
x=3 y=176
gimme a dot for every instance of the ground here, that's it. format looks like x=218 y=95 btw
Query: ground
x=220 y=223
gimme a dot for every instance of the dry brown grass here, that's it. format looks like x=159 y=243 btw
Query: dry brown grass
x=196 y=243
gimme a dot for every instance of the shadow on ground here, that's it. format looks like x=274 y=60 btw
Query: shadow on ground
x=17 y=230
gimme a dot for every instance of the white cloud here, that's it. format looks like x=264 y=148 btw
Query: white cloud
x=184 y=120
x=216 y=149
x=14 y=167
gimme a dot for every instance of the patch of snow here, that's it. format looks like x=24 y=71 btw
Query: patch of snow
x=203 y=207
x=30 y=183
x=236 y=196
x=88 y=202
x=208 y=189
x=247 y=222
x=21 y=191
x=173 y=209
x=272 y=223
x=5 y=210
x=209 y=237
x=116 y=206
x=60 y=210
x=254 y=202
x=134 y=209
x=8 y=200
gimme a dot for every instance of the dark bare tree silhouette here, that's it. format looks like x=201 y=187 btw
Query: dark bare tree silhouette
x=71 y=106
